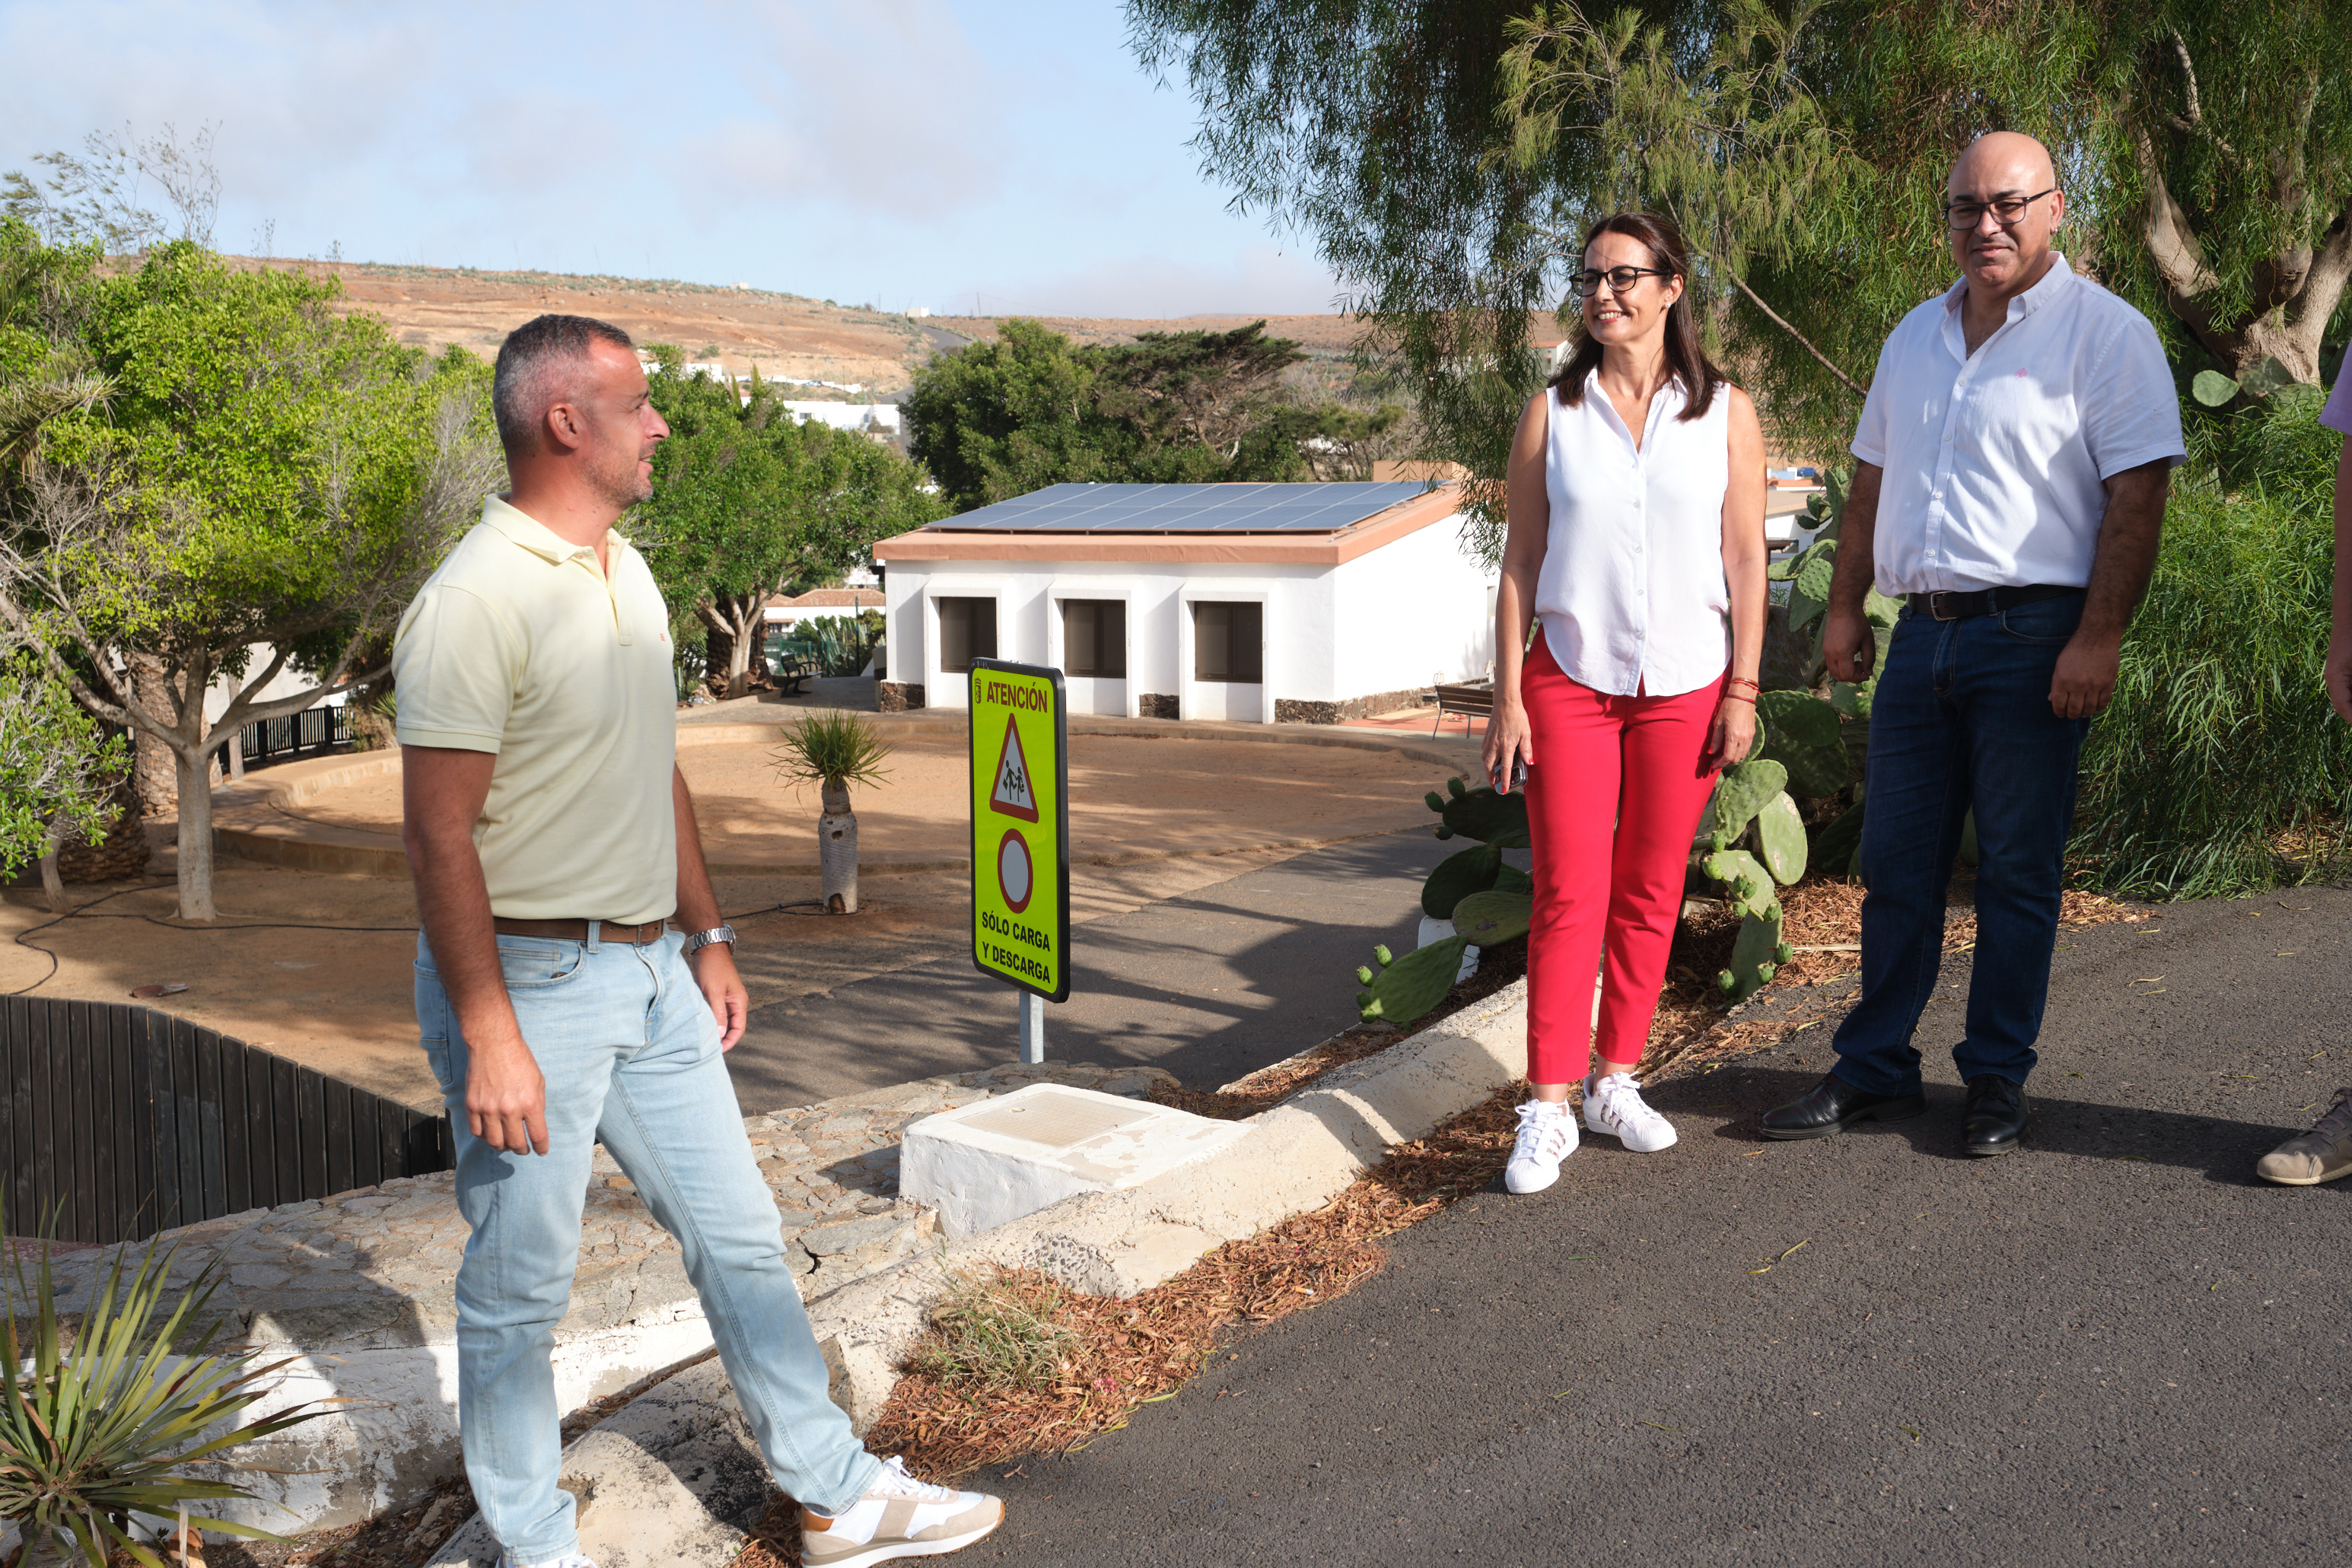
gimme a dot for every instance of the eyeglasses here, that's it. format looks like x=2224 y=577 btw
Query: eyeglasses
x=1619 y=278
x=2006 y=209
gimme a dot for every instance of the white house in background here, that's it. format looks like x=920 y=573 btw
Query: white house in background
x=1289 y=604
x=876 y=419
x=786 y=610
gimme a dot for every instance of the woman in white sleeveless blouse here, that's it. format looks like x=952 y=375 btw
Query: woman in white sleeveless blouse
x=1636 y=537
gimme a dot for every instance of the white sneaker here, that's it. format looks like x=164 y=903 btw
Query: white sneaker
x=898 y=1517
x=569 y=1560
x=1547 y=1136
x=1615 y=1105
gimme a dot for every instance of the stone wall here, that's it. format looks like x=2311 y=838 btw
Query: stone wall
x=897 y=696
x=357 y=1290
x=1299 y=710
x=1157 y=704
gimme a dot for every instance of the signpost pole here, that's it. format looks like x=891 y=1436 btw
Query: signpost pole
x=1033 y=1028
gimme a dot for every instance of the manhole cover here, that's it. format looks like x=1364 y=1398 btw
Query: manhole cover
x=1057 y=1121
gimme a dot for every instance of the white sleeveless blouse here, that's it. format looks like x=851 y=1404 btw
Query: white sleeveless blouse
x=1631 y=596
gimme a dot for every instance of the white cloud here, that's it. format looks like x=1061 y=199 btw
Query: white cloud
x=1255 y=279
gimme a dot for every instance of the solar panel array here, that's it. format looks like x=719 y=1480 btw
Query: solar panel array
x=1187 y=508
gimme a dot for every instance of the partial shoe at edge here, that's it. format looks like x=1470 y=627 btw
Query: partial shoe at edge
x=1993 y=1119
x=1833 y=1105
x=2323 y=1153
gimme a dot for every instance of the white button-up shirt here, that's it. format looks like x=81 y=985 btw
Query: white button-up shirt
x=1995 y=461
x=1632 y=593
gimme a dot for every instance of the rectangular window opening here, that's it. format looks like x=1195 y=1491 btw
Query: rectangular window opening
x=1229 y=641
x=1094 y=638
x=967 y=632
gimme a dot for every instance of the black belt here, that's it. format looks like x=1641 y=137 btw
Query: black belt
x=1945 y=605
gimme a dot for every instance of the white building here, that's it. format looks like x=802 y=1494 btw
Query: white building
x=1296 y=603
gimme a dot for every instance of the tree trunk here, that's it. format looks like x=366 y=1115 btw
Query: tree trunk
x=152 y=767
x=46 y=1550
x=195 y=835
x=53 y=886
x=836 y=849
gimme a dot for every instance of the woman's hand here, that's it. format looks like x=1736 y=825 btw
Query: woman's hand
x=1507 y=738
x=1731 y=735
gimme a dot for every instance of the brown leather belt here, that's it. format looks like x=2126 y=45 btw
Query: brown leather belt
x=577 y=930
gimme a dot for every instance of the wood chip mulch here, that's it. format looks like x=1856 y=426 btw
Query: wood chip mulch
x=1145 y=1348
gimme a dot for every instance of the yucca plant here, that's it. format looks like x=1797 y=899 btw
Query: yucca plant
x=833 y=750
x=98 y=1426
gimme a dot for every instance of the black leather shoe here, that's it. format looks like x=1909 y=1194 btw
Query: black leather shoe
x=1994 y=1119
x=1834 y=1105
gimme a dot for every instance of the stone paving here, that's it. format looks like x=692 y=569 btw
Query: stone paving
x=360 y=1286
x=294 y=1271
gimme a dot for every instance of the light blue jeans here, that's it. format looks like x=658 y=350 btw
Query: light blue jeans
x=630 y=1055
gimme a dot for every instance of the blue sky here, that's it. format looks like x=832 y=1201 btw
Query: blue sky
x=901 y=153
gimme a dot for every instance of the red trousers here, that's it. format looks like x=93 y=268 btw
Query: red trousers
x=1614 y=798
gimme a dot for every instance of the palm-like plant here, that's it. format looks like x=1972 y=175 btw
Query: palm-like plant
x=97 y=1426
x=833 y=750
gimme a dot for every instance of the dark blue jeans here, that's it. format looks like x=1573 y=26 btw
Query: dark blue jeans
x=1962 y=719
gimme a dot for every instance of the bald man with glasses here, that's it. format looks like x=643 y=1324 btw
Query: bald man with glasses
x=2013 y=462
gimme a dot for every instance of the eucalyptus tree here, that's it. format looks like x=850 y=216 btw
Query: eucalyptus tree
x=1446 y=158
x=260 y=488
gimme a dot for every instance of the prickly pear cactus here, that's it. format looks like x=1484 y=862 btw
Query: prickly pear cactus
x=1803 y=736
x=1781 y=840
x=1480 y=813
x=1456 y=877
x=1511 y=879
x=1740 y=794
x=1486 y=919
x=1757 y=955
x=1838 y=847
x=1405 y=989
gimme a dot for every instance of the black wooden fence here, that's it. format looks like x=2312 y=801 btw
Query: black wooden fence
x=136 y=1121
x=312 y=732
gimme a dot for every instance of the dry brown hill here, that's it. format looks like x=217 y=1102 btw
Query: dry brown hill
x=785 y=335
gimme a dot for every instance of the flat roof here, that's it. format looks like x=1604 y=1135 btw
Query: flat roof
x=1240 y=508
x=1398 y=509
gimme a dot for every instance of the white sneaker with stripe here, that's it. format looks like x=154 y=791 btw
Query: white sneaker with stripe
x=1547 y=1136
x=1615 y=1105
x=898 y=1517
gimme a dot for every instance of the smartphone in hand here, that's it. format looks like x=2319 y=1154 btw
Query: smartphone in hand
x=1518 y=775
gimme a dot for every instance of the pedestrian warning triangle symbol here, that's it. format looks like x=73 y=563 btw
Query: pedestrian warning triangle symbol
x=1012 y=795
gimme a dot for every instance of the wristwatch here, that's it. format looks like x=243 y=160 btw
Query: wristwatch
x=701 y=939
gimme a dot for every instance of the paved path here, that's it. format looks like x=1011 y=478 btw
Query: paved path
x=2113 y=1347
x=1208 y=985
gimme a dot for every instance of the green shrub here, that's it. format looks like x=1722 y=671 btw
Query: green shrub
x=102 y=1415
x=836 y=750
x=2219 y=767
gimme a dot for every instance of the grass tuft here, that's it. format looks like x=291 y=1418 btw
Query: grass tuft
x=1006 y=1332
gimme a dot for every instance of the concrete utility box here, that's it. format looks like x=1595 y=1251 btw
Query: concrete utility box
x=995 y=1160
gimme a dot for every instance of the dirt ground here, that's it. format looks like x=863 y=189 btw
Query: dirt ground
x=1128 y=796
x=320 y=967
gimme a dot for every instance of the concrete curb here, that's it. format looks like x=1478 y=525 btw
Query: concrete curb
x=673 y=1479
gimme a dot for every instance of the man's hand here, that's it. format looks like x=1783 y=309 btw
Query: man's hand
x=506 y=1097
x=730 y=1004
x=1848 y=644
x=2086 y=679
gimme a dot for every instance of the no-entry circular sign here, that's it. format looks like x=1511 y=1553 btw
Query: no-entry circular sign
x=1015 y=876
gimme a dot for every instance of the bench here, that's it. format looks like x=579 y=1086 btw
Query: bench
x=1471 y=700
x=791 y=674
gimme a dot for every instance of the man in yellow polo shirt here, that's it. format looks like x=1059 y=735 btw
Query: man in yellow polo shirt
x=574 y=982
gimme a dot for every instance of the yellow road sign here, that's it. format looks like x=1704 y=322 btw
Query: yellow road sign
x=1021 y=826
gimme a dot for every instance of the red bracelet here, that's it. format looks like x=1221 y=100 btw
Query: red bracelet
x=1742 y=681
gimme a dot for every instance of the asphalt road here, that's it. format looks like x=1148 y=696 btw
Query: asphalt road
x=1210 y=985
x=2112 y=1347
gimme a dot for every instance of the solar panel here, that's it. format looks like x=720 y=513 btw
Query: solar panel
x=1245 y=508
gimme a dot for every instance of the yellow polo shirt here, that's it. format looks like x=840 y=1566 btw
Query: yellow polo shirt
x=519 y=647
